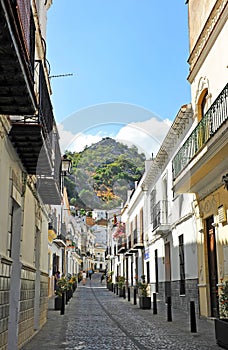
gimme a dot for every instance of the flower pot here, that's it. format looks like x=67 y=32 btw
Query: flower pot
x=120 y=292
x=58 y=302
x=221 y=332
x=144 y=302
x=69 y=294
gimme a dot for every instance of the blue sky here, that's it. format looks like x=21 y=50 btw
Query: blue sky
x=121 y=53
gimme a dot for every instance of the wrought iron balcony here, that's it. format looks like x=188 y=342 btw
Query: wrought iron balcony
x=32 y=136
x=122 y=245
x=36 y=141
x=138 y=240
x=17 y=36
x=160 y=217
x=215 y=117
x=131 y=248
x=60 y=240
x=48 y=186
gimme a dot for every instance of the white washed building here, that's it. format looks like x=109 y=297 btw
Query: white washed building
x=160 y=231
x=170 y=232
x=29 y=170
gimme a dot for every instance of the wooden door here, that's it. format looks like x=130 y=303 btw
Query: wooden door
x=167 y=271
x=212 y=267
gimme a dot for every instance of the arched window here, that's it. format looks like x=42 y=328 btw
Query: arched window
x=202 y=104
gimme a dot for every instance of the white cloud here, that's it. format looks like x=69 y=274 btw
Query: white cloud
x=81 y=140
x=65 y=137
x=75 y=143
x=147 y=136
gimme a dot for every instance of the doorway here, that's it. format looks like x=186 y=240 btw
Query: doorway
x=15 y=282
x=156 y=269
x=167 y=271
x=148 y=272
x=212 y=266
x=37 y=280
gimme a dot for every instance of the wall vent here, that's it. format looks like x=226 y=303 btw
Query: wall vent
x=221 y=214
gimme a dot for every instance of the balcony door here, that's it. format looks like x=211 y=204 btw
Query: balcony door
x=212 y=266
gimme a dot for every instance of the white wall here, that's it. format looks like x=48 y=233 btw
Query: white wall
x=214 y=68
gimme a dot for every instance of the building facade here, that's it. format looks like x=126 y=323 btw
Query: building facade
x=201 y=165
x=170 y=233
x=29 y=169
x=160 y=240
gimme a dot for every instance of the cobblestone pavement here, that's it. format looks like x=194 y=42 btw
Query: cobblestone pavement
x=96 y=318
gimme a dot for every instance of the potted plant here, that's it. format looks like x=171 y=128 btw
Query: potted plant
x=120 y=283
x=61 y=287
x=73 y=280
x=144 y=297
x=109 y=280
x=69 y=290
x=221 y=323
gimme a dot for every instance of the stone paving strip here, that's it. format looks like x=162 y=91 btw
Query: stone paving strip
x=96 y=318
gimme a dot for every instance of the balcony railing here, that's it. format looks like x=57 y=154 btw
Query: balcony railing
x=60 y=240
x=131 y=248
x=207 y=127
x=138 y=239
x=48 y=186
x=36 y=141
x=160 y=214
x=122 y=245
x=17 y=30
x=33 y=135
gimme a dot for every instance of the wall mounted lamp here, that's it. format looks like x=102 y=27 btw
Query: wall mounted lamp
x=65 y=165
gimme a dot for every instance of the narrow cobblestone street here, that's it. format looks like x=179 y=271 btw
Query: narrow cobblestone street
x=96 y=318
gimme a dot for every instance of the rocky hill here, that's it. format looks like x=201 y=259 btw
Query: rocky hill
x=102 y=174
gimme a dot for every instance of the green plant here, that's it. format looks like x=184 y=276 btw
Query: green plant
x=109 y=280
x=120 y=281
x=223 y=300
x=143 y=286
x=73 y=279
x=63 y=284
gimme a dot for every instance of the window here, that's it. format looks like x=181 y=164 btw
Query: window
x=202 y=104
x=156 y=269
x=182 y=264
x=148 y=272
x=136 y=266
x=152 y=205
x=141 y=226
x=135 y=238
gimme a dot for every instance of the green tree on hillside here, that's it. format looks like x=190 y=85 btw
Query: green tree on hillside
x=102 y=174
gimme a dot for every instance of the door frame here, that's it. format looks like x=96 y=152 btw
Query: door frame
x=168 y=292
x=212 y=266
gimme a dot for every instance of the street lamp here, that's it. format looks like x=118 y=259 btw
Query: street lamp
x=65 y=165
x=65 y=170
